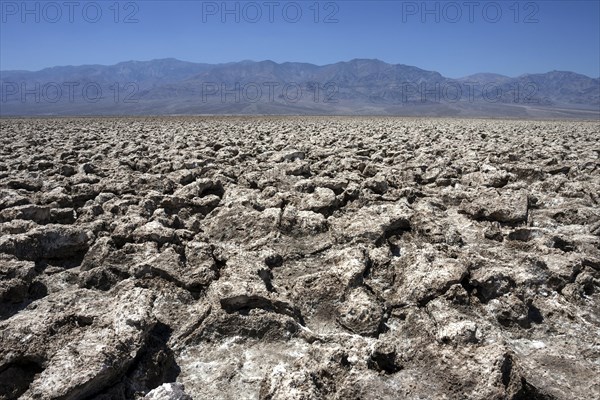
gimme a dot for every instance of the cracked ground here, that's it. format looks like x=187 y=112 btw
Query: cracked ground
x=299 y=258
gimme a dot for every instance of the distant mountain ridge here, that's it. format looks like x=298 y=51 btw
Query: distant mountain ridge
x=360 y=86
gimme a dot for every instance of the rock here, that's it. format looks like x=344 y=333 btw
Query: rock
x=30 y=184
x=154 y=231
x=308 y=222
x=297 y=168
x=63 y=215
x=39 y=214
x=168 y=391
x=17 y=226
x=200 y=188
x=47 y=242
x=16 y=280
x=201 y=264
x=97 y=253
x=338 y=185
x=119 y=330
x=373 y=222
x=198 y=271
x=321 y=200
x=508 y=207
x=493 y=232
x=488 y=176
x=87 y=168
x=289 y=155
x=422 y=276
x=361 y=313
x=67 y=170
x=11 y=198
x=377 y=184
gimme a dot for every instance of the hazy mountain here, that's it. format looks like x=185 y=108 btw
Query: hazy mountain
x=359 y=86
x=145 y=73
x=565 y=87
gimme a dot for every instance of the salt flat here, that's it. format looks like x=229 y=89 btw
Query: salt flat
x=299 y=258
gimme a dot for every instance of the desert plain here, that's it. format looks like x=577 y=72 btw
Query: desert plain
x=299 y=258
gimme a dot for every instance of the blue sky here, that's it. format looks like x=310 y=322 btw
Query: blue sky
x=454 y=38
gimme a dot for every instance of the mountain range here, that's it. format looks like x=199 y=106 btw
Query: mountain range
x=356 y=87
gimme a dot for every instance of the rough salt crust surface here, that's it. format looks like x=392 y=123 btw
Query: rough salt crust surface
x=299 y=258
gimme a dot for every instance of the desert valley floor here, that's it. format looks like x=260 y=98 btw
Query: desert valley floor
x=299 y=258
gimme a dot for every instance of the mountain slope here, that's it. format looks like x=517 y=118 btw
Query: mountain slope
x=359 y=86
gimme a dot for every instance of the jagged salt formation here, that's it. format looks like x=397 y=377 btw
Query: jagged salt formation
x=299 y=258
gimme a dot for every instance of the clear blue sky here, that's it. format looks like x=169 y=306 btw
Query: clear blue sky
x=536 y=36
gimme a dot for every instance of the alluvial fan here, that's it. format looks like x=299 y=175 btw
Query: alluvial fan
x=299 y=258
